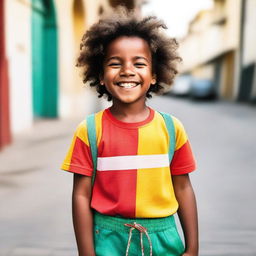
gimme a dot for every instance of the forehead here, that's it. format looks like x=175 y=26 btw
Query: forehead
x=129 y=46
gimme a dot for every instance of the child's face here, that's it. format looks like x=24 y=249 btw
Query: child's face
x=128 y=69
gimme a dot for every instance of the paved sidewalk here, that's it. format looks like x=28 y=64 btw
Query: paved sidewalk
x=35 y=216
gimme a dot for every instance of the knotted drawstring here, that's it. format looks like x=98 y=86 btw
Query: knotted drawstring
x=142 y=230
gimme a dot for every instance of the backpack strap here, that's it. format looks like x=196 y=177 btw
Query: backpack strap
x=171 y=132
x=91 y=131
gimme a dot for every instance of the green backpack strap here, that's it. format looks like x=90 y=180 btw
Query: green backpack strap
x=91 y=131
x=171 y=131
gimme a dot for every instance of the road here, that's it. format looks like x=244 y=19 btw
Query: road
x=35 y=216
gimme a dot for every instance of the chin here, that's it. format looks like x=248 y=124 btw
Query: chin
x=126 y=99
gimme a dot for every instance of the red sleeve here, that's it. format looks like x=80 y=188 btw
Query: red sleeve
x=183 y=160
x=78 y=159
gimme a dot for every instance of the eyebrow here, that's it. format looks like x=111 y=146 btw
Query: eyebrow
x=118 y=58
x=141 y=57
x=113 y=58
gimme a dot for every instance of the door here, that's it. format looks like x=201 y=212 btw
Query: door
x=44 y=59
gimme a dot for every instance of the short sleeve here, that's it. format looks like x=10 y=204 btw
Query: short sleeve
x=183 y=160
x=78 y=159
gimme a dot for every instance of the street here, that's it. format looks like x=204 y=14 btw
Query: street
x=35 y=216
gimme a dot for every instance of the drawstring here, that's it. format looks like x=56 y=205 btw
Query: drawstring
x=142 y=230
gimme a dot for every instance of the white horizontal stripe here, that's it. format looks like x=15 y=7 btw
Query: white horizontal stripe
x=132 y=162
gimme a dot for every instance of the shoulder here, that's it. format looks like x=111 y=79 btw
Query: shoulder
x=81 y=131
x=176 y=122
x=180 y=133
x=82 y=128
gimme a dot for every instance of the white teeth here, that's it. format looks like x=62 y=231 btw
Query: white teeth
x=127 y=85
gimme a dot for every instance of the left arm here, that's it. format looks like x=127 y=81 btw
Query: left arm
x=187 y=212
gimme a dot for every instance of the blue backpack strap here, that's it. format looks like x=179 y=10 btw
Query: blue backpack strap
x=171 y=131
x=91 y=131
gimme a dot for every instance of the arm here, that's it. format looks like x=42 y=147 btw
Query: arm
x=187 y=212
x=82 y=215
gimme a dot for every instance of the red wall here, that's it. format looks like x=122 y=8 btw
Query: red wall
x=5 y=136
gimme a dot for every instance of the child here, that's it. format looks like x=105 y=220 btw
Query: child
x=129 y=209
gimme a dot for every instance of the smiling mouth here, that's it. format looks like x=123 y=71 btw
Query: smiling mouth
x=128 y=85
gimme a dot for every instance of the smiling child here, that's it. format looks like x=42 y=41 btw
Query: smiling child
x=139 y=183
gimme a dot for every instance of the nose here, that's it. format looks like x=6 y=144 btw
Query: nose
x=127 y=70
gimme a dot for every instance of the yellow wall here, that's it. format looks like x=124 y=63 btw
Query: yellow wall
x=74 y=17
x=209 y=37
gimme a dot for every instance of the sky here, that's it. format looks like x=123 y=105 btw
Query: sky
x=176 y=13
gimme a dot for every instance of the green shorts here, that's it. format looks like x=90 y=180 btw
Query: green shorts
x=114 y=236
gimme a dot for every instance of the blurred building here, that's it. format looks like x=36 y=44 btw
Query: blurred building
x=247 y=86
x=220 y=46
x=38 y=49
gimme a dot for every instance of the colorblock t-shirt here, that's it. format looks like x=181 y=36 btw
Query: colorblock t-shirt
x=133 y=177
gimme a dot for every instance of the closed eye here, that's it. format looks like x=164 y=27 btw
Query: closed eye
x=140 y=64
x=114 y=64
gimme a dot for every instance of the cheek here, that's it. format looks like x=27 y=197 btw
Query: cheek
x=146 y=74
x=109 y=75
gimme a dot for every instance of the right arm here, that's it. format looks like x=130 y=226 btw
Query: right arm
x=82 y=214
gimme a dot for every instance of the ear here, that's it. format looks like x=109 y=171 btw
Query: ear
x=101 y=80
x=153 y=80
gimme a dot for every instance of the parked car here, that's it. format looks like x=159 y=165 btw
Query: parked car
x=181 y=86
x=202 y=88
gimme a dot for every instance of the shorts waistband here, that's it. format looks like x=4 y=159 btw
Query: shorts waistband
x=118 y=223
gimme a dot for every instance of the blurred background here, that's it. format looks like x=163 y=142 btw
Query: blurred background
x=42 y=99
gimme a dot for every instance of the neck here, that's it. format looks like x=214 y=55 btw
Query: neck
x=135 y=112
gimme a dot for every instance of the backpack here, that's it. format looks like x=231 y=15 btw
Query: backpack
x=91 y=131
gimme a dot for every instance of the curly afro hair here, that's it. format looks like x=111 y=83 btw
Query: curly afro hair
x=125 y=23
